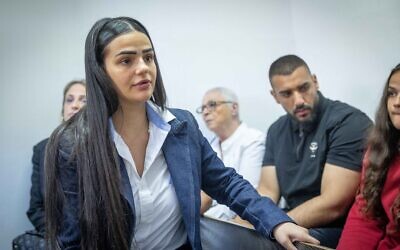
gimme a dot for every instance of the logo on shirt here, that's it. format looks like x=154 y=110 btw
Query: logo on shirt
x=313 y=149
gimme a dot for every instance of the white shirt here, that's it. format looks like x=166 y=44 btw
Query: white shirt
x=244 y=151
x=159 y=223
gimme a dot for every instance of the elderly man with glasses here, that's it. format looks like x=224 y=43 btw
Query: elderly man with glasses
x=237 y=145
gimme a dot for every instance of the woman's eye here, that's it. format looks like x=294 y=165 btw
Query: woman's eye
x=149 y=58
x=69 y=100
x=125 y=61
x=391 y=93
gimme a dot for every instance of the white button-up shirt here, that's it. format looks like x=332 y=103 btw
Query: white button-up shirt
x=159 y=223
x=243 y=151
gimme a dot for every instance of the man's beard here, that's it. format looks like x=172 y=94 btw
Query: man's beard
x=311 y=117
x=313 y=112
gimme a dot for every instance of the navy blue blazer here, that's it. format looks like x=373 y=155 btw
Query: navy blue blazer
x=193 y=166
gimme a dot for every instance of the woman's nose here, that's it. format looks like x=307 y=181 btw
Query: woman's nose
x=76 y=104
x=397 y=101
x=141 y=66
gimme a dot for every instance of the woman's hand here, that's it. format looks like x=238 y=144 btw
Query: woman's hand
x=286 y=233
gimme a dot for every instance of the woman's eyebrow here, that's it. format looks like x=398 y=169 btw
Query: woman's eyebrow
x=133 y=52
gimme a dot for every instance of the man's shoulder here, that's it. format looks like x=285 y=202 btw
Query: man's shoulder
x=338 y=111
x=281 y=123
x=336 y=106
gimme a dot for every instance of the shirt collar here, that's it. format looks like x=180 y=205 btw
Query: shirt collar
x=160 y=118
x=310 y=126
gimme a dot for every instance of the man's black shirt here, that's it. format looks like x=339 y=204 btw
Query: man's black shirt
x=299 y=151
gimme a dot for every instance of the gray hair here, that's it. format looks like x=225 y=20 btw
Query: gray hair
x=228 y=94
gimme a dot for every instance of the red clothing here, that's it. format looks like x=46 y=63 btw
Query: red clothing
x=366 y=233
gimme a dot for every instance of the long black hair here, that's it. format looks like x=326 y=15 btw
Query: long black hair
x=86 y=140
x=382 y=148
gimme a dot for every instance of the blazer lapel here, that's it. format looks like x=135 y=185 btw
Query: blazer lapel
x=177 y=155
x=126 y=190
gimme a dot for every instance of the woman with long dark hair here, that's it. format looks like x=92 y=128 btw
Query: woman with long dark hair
x=126 y=172
x=374 y=219
x=74 y=98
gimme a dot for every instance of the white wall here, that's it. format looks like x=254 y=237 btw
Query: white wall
x=350 y=45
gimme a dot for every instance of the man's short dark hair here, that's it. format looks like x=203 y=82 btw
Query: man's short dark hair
x=286 y=65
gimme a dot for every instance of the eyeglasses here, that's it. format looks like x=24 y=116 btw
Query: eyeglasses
x=211 y=106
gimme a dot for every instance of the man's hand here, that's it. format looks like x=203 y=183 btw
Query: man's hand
x=286 y=233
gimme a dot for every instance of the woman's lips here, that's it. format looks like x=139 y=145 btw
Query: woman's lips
x=142 y=82
x=142 y=85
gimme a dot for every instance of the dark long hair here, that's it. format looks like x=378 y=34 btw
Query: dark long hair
x=85 y=137
x=383 y=147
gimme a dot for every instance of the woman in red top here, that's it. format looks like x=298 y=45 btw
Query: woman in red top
x=374 y=219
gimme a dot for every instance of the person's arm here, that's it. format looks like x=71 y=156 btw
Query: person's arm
x=340 y=177
x=268 y=185
x=359 y=231
x=229 y=188
x=338 y=188
x=287 y=233
x=206 y=202
x=35 y=211
x=251 y=160
x=249 y=166
x=68 y=236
